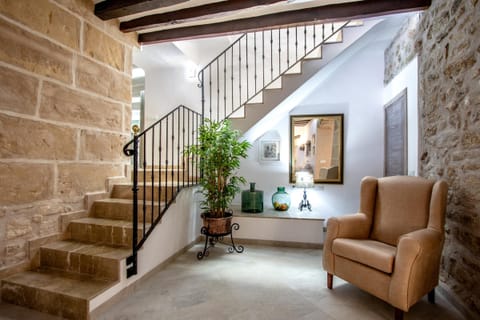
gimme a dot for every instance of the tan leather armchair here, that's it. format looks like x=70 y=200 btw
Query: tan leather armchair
x=392 y=247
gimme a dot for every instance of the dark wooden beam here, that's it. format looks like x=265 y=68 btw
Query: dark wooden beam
x=110 y=9
x=328 y=13
x=196 y=13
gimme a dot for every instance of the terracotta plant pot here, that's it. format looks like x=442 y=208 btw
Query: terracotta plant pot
x=218 y=226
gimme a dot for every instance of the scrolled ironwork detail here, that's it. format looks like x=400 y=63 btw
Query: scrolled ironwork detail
x=212 y=239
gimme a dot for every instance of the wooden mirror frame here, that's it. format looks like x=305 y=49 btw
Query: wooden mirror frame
x=313 y=145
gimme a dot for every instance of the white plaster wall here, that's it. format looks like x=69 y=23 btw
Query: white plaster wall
x=407 y=79
x=166 y=89
x=354 y=89
x=282 y=230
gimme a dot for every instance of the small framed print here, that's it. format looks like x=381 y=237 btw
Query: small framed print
x=270 y=150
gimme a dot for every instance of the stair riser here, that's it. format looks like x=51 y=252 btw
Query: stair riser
x=99 y=267
x=100 y=234
x=123 y=211
x=45 y=301
x=125 y=192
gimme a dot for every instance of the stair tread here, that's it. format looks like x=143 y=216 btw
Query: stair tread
x=128 y=201
x=92 y=249
x=107 y=222
x=75 y=285
x=155 y=184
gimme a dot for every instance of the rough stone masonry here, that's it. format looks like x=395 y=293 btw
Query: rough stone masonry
x=446 y=39
x=65 y=89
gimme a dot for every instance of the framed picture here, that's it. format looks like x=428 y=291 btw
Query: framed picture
x=396 y=136
x=269 y=150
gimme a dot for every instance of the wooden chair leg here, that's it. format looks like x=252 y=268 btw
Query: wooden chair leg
x=329 y=280
x=398 y=314
x=431 y=296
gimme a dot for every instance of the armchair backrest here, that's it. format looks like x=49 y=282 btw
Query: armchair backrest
x=402 y=204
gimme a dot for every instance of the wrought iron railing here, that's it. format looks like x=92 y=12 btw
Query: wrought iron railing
x=159 y=171
x=256 y=60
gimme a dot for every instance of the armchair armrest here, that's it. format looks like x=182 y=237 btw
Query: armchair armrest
x=355 y=225
x=417 y=265
x=348 y=226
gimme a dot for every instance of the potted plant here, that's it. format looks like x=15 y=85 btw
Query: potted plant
x=219 y=151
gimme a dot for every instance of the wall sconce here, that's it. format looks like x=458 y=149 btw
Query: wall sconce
x=304 y=179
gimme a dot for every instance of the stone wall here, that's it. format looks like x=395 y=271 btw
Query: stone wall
x=448 y=46
x=65 y=92
x=402 y=49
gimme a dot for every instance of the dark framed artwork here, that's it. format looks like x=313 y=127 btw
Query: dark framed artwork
x=396 y=136
x=270 y=150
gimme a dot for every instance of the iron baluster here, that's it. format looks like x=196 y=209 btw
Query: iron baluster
x=166 y=158
x=178 y=149
x=279 y=52
x=152 y=177
x=305 y=40
x=218 y=91
x=263 y=58
x=296 y=43
x=271 y=54
x=288 y=50
x=173 y=158
x=160 y=167
x=144 y=201
x=210 y=89
x=246 y=64
x=233 y=104
x=202 y=73
x=225 y=84
x=255 y=61
x=239 y=74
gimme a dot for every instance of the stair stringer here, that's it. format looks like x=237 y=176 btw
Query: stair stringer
x=254 y=112
x=177 y=231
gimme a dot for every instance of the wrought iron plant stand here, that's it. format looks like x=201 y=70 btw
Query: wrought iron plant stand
x=212 y=239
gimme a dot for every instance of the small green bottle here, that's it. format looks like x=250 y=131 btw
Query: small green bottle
x=252 y=200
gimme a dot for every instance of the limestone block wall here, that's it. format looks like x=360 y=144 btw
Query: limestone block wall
x=447 y=42
x=65 y=91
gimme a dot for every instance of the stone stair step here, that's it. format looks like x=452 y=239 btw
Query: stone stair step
x=103 y=231
x=100 y=261
x=124 y=191
x=59 y=293
x=122 y=209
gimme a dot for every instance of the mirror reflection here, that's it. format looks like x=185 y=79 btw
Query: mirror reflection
x=316 y=144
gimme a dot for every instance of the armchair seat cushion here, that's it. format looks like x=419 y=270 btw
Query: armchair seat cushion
x=376 y=254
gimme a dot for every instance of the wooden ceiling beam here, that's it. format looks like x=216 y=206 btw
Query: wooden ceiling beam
x=196 y=13
x=327 y=13
x=110 y=9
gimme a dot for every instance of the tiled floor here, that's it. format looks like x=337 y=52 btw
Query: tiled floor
x=261 y=283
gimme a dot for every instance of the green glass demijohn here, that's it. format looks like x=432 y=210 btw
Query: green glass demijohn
x=252 y=200
x=281 y=199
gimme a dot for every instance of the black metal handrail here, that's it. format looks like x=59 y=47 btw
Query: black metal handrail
x=256 y=60
x=159 y=171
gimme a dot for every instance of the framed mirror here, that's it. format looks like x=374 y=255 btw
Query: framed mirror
x=316 y=147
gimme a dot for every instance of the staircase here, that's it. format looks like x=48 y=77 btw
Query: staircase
x=87 y=267
x=261 y=69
